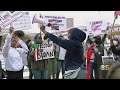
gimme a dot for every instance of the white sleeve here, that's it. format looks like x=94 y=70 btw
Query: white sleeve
x=6 y=46
x=24 y=48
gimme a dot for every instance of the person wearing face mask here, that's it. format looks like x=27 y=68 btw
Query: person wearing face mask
x=99 y=52
x=115 y=47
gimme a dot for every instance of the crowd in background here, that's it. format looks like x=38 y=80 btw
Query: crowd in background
x=81 y=60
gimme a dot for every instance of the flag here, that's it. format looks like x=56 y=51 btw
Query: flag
x=36 y=54
x=116 y=13
x=35 y=45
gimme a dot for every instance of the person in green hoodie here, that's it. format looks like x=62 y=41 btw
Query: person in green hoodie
x=39 y=67
x=52 y=62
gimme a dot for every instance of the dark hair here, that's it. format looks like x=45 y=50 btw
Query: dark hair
x=19 y=33
x=45 y=37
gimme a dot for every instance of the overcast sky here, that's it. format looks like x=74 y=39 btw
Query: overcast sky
x=80 y=17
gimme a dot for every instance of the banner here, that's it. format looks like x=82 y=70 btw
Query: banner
x=58 y=22
x=7 y=17
x=23 y=23
x=97 y=27
x=44 y=51
x=117 y=13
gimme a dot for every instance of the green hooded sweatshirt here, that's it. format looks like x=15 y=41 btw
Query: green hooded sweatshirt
x=36 y=65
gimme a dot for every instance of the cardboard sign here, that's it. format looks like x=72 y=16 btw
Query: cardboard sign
x=44 y=51
x=7 y=17
x=23 y=23
x=62 y=53
x=58 y=22
x=97 y=27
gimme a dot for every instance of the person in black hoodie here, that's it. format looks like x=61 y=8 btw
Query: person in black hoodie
x=74 y=57
x=115 y=46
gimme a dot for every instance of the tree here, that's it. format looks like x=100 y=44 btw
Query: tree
x=116 y=33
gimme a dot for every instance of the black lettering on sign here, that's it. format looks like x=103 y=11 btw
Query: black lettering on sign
x=40 y=50
x=48 y=54
x=44 y=54
x=49 y=45
x=39 y=55
x=46 y=45
x=52 y=53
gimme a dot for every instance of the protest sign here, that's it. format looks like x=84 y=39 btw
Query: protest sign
x=58 y=22
x=62 y=53
x=97 y=27
x=44 y=51
x=7 y=17
x=23 y=23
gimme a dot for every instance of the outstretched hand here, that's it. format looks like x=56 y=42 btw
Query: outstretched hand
x=42 y=27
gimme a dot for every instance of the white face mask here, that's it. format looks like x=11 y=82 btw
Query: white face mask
x=115 y=43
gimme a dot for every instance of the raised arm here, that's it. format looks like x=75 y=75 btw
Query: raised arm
x=6 y=46
x=66 y=44
x=24 y=48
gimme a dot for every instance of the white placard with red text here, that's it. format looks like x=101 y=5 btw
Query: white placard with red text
x=97 y=27
x=58 y=22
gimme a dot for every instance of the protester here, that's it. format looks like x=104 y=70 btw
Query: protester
x=0 y=70
x=52 y=62
x=75 y=52
x=21 y=34
x=0 y=39
x=29 y=43
x=99 y=52
x=114 y=71
x=0 y=60
x=106 y=68
x=90 y=61
x=13 y=56
x=39 y=67
x=115 y=46
x=61 y=60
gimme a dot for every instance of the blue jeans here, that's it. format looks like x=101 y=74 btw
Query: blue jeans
x=82 y=73
x=60 y=65
x=42 y=74
x=91 y=70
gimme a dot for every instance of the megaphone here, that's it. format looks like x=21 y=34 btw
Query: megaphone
x=40 y=20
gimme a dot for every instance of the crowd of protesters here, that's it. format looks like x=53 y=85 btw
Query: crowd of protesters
x=79 y=61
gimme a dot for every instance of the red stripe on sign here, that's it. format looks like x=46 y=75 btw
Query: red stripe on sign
x=117 y=13
x=36 y=51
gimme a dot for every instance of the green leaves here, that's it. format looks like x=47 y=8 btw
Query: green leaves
x=116 y=33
